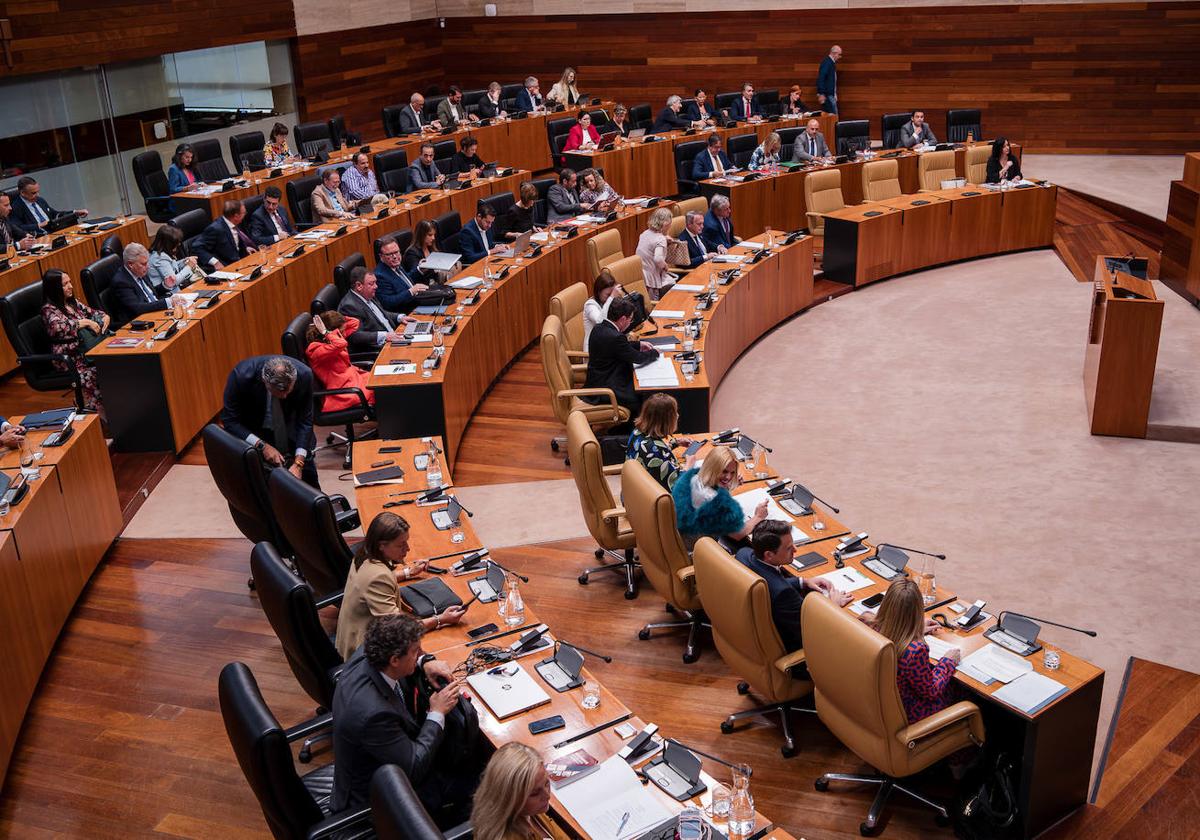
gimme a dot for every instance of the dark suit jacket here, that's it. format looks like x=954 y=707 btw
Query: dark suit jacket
x=693 y=111
x=611 y=358
x=827 y=77
x=408 y=121
x=696 y=253
x=487 y=110
x=23 y=219
x=127 y=300
x=526 y=103
x=993 y=170
x=787 y=597
x=714 y=234
x=364 y=338
x=372 y=726
x=564 y=203
x=412 y=259
x=245 y=406
x=668 y=120
x=10 y=233
x=394 y=291
x=702 y=164
x=217 y=242
x=262 y=229
x=737 y=108
x=472 y=245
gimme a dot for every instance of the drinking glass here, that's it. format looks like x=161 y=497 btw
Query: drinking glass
x=28 y=461
x=591 y=694
x=818 y=524
x=718 y=806
x=927 y=583
x=439 y=340
x=1051 y=659
x=456 y=534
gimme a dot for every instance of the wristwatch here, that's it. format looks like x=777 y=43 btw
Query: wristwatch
x=259 y=444
x=424 y=658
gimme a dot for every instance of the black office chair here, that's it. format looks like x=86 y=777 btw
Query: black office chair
x=292 y=343
x=291 y=610
x=402 y=238
x=21 y=315
x=768 y=100
x=448 y=225
x=852 y=134
x=191 y=224
x=391 y=170
x=391 y=120
x=443 y=153
x=500 y=202
x=208 y=162
x=724 y=101
x=326 y=300
x=313 y=523
x=557 y=144
x=740 y=148
x=685 y=153
x=246 y=150
x=541 y=209
x=960 y=121
x=251 y=204
x=341 y=271
x=112 y=244
x=508 y=96
x=559 y=126
x=295 y=807
x=640 y=116
x=299 y=195
x=890 y=125
x=240 y=474
x=472 y=97
x=96 y=277
x=429 y=112
x=339 y=134
x=787 y=140
x=312 y=137
x=398 y=814
x=151 y=182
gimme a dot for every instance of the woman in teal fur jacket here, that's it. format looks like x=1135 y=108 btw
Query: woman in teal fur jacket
x=703 y=504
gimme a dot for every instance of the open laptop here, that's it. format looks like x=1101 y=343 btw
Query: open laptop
x=519 y=246
x=637 y=133
x=414 y=328
x=608 y=137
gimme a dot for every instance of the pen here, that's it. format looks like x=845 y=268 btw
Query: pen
x=624 y=822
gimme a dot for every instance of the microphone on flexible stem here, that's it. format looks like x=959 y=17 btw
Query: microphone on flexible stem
x=902 y=548
x=1000 y=621
x=818 y=498
x=701 y=752
x=515 y=574
x=583 y=650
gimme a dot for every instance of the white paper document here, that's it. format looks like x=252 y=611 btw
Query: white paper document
x=224 y=276
x=600 y=801
x=751 y=500
x=507 y=691
x=592 y=218
x=667 y=313
x=395 y=370
x=729 y=258
x=466 y=283
x=687 y=287
x=997 y=663
x=1030 y=692
x=750 y=243
x=847 y=580
x=939 y=648
x=658 y=374
x=542 y=236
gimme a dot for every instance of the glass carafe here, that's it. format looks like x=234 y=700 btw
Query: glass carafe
x=741 y=805
x=514 y=606
x=927 y=582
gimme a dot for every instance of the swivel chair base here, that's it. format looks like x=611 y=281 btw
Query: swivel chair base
x=333 y=440
x=694 y=621
x=627 y=565
x=789 y=743
x=886 y=785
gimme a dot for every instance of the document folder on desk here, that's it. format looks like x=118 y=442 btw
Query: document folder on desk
x=387 y=475
x=47 y=419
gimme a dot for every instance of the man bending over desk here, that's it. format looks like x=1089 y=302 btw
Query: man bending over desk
x=376 y=324
x=269 y=404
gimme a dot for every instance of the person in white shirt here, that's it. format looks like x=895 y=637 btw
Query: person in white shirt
x=652 y=248
x=605 y=289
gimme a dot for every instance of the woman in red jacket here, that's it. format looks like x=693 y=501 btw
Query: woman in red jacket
x=329 y=358
x=582 y=135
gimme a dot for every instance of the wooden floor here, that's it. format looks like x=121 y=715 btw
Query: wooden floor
x=1083 y=229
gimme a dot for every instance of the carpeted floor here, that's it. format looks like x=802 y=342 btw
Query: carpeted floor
x=1142 y=182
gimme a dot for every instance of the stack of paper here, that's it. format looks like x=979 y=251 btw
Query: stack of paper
x=729 y=258
x=396 y=370
x=848 y=579
x=466 y=283
x=1030 y=692
x=686 y=287
x=660 y=373
x=993 y=663
x=224 y=276
x=667 y=313
x=750 y=500
x=751 y=244
x=600 y=802
x=939 y=648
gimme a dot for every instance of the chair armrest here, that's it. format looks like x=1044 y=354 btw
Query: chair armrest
x=339 y=822
x=789 y=661
x=687 y=573
x=347 y=520
x=577 y=354
x=594 y=392
x=462 y=831
x=47 y=357
x=935 y=723
x=612 y=514
x=612 y=469
x=362 y=399
x=309 y=727
x=331 y=600
x=338 y=500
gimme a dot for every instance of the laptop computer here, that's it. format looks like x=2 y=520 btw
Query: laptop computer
x=608 y=137
x=637 y=133
x=507 y=690
x=413 y=328
x=519 y=246
x=62 y=221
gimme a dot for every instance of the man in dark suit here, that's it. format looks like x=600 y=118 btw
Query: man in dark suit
x=827 y=80
x=386 y=710
x=31 y=212
x=530 y=98
x=477 y=240
x=11 y=236
x=746 y=106
x=412 y=119
x=270 y=222
x=612 y=356
x=718 y=225
x=698 y=251
x=423 y=173
x=376 y=325
x=489 y=106
x=395 y=290
x=269 y=404
x=712 y=161
x=131 y=292
x=669 y=118
x=223 y=241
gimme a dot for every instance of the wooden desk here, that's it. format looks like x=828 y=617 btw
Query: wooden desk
x=633 y=169
x=1180 y=256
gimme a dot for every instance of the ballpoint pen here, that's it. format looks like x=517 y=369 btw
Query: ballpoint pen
x=624 y=822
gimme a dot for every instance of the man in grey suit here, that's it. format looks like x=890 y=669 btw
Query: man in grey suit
x=451 y=110
x=386 y=710
x=423 y=174
x=375 y=324
x=412 y=121
x=916 y=131
x=810 y=145
x=563 y=197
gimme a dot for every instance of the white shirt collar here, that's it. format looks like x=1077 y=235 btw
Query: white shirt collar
x=391 y=683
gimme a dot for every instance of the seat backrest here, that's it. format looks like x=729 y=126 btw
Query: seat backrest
x=396 y=810
x=246 y=145
x=935 y=167
x=641 y=114
x=685 y=153
x=602 y=249
x=853 y=671
x=852 y=134
x=251 y=203
x=429 y=112
x=628 y=272
x=299 y=193
x=823 y=191
x=263 y=753
x=725 y=100
x=651 y=513
x=311 y=133
x=787 y=137
x=96 y=277
x=112 y=244
x=287 y=601
x=292 y=342
x=307 y=519
x=738 y=603
x=699 y=204
x=148 y=174
x=192 y=222
x=209 y=162
x=890 y=125
x=976 y=163
x=337 y=130
x=568 y=306
x=447 y=225
x=391 y=120
x=881 y=180
x=560 y=126
x=768 y=100
x=676 y=227
x=402 y=238
x=740 y=148
x=556 y=367
x=472 y=97
x=444 y=150
x=587 y=468
x=341 y=271
x=960 y=121
x=21 y=314
x=326 y=300
x=238 y=470
x=500 y=202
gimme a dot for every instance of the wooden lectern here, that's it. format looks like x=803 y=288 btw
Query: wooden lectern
x=1180 y=258
x=1118 y=369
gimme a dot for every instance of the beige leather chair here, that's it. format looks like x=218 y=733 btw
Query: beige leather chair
x=605 y=519
x=565 y=398
x=854 y=672
x=568 y=306
x=628 y=272
x=676 y=226
x=738 y=605
x=976 y=163
x=881 y=180
x=602 y=249
x=665 y=562
x=681 y=208
x=935 y=167
x=822 y=194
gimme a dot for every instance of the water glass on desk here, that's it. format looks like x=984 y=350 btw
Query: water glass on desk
x=718 y=804
x=28 y=456
x=591 y=694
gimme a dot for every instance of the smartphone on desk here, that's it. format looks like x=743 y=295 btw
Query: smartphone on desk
x=873 y=601
x=695 y=447
x=482 y=631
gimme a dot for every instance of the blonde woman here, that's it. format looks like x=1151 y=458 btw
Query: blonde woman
x=513 y=793
x=652 y=248
x=767 y=153
x=704 y=505
x=564 y=91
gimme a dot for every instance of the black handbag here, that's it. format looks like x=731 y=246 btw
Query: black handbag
x=989 y=810
x=89 y=338
x=428 y=598
x=639 y=310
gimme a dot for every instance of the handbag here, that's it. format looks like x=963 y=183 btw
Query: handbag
x=989 y=809
x=639 y=310
x=89 y=338
x=428 y=598
x=677 y=253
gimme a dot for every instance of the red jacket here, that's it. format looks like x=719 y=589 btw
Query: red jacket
x=330 y=363
x=575 y=137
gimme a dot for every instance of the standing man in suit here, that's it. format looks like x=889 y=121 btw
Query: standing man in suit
x=11 y=235
x=612 y=356
x=391 y=707
x=423 y=174
x=131 y=291
x=563 y=197
x=269 y=404
x=530 y=99
x=916 y=131
x=376 y=325
x=827 y=80
x=698 y=250
x=411 y=120
x=718 y=225
x=810 y=146
x=477 y=240
x=489 y=106
x=270 y=223
x=223 y=241
x=31 y=212
x=451 y=111
x=395 y=290
x=712 y=161
x=746 y=107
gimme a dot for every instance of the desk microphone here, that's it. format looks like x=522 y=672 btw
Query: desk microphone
x=815 y=496
x=701 y=752
x=582 y=649
x=913 y=550
x=524 y=579
x=726 y=436
x=1000 y=621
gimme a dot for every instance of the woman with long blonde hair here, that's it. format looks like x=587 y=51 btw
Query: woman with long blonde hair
x=925 y=688
x=704 y=505
x=513 y=792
